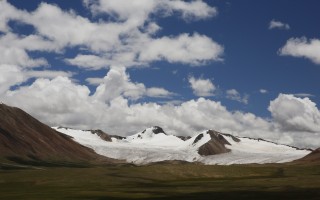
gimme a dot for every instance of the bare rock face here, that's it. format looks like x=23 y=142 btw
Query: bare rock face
x=216 y=145
x=184 y=138
x=157 y=130
x=23 y=137
x=102 y=135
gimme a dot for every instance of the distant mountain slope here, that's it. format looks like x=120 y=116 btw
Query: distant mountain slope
x=314 y=156
x=209 y=147
x=24 y=138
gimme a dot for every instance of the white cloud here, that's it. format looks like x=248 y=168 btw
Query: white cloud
x=47 y=74
x=8 y=12
x=56 y=101
x=95 y=81
x=302 y=47
x=295 y=114
x=10 y=75
x=263 y=91
x=117 y=83
x=233 y=94
x=126 y=40
x=140 y=10
x=13 y=75
x=158 y=92
x=88 y=61
x=274 y=24
x=13 y=50
x=193 y=49
x=202 y=87
x=193 y=10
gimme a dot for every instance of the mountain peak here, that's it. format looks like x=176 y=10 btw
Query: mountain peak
x=155 y=130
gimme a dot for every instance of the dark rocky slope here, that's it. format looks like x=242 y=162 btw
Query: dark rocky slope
x=216 y=145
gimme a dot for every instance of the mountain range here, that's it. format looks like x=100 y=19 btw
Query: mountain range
x=24 y=139
x=208 y=147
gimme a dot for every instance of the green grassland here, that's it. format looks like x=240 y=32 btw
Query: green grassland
x=162 y=181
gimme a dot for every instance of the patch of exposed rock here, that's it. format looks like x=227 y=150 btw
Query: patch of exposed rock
x=216 y=145
x=102 y=135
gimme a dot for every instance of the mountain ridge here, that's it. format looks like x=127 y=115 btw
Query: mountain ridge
x=208 y=147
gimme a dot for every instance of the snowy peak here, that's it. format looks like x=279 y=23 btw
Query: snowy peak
x=148 y=133
x=157 y=130
x=154 y=136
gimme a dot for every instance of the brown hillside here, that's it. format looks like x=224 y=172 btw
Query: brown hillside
x=25 y=138
x=314 y=156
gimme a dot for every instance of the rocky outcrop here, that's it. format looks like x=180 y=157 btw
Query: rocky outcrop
x=184 y=138
x=102 y=135
x=216 y=145
x=156 y=130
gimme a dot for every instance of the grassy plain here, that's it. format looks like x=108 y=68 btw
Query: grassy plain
x=162 y=181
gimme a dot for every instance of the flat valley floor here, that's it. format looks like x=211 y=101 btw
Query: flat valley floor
x=162 y=181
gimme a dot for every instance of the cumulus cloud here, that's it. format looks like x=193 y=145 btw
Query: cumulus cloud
x=202 y=87
x=13 y=75
x=94 y=81
x=8 y=12
x=233 y=94
x=193 y=49
x=129 y=36
x=302 y=47
x=56 y=101
x=158 y=92
x=10 y=75
x=14 y=50
x=274 y=24
x=47 y=74
x=117 y=83
x=295 y=114
x=140 y=10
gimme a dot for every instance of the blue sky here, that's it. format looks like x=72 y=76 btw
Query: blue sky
x=239 y=55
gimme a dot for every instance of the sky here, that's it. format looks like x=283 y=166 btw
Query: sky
x=249 y=68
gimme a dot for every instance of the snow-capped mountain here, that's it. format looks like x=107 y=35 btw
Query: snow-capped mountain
x=208 y=147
